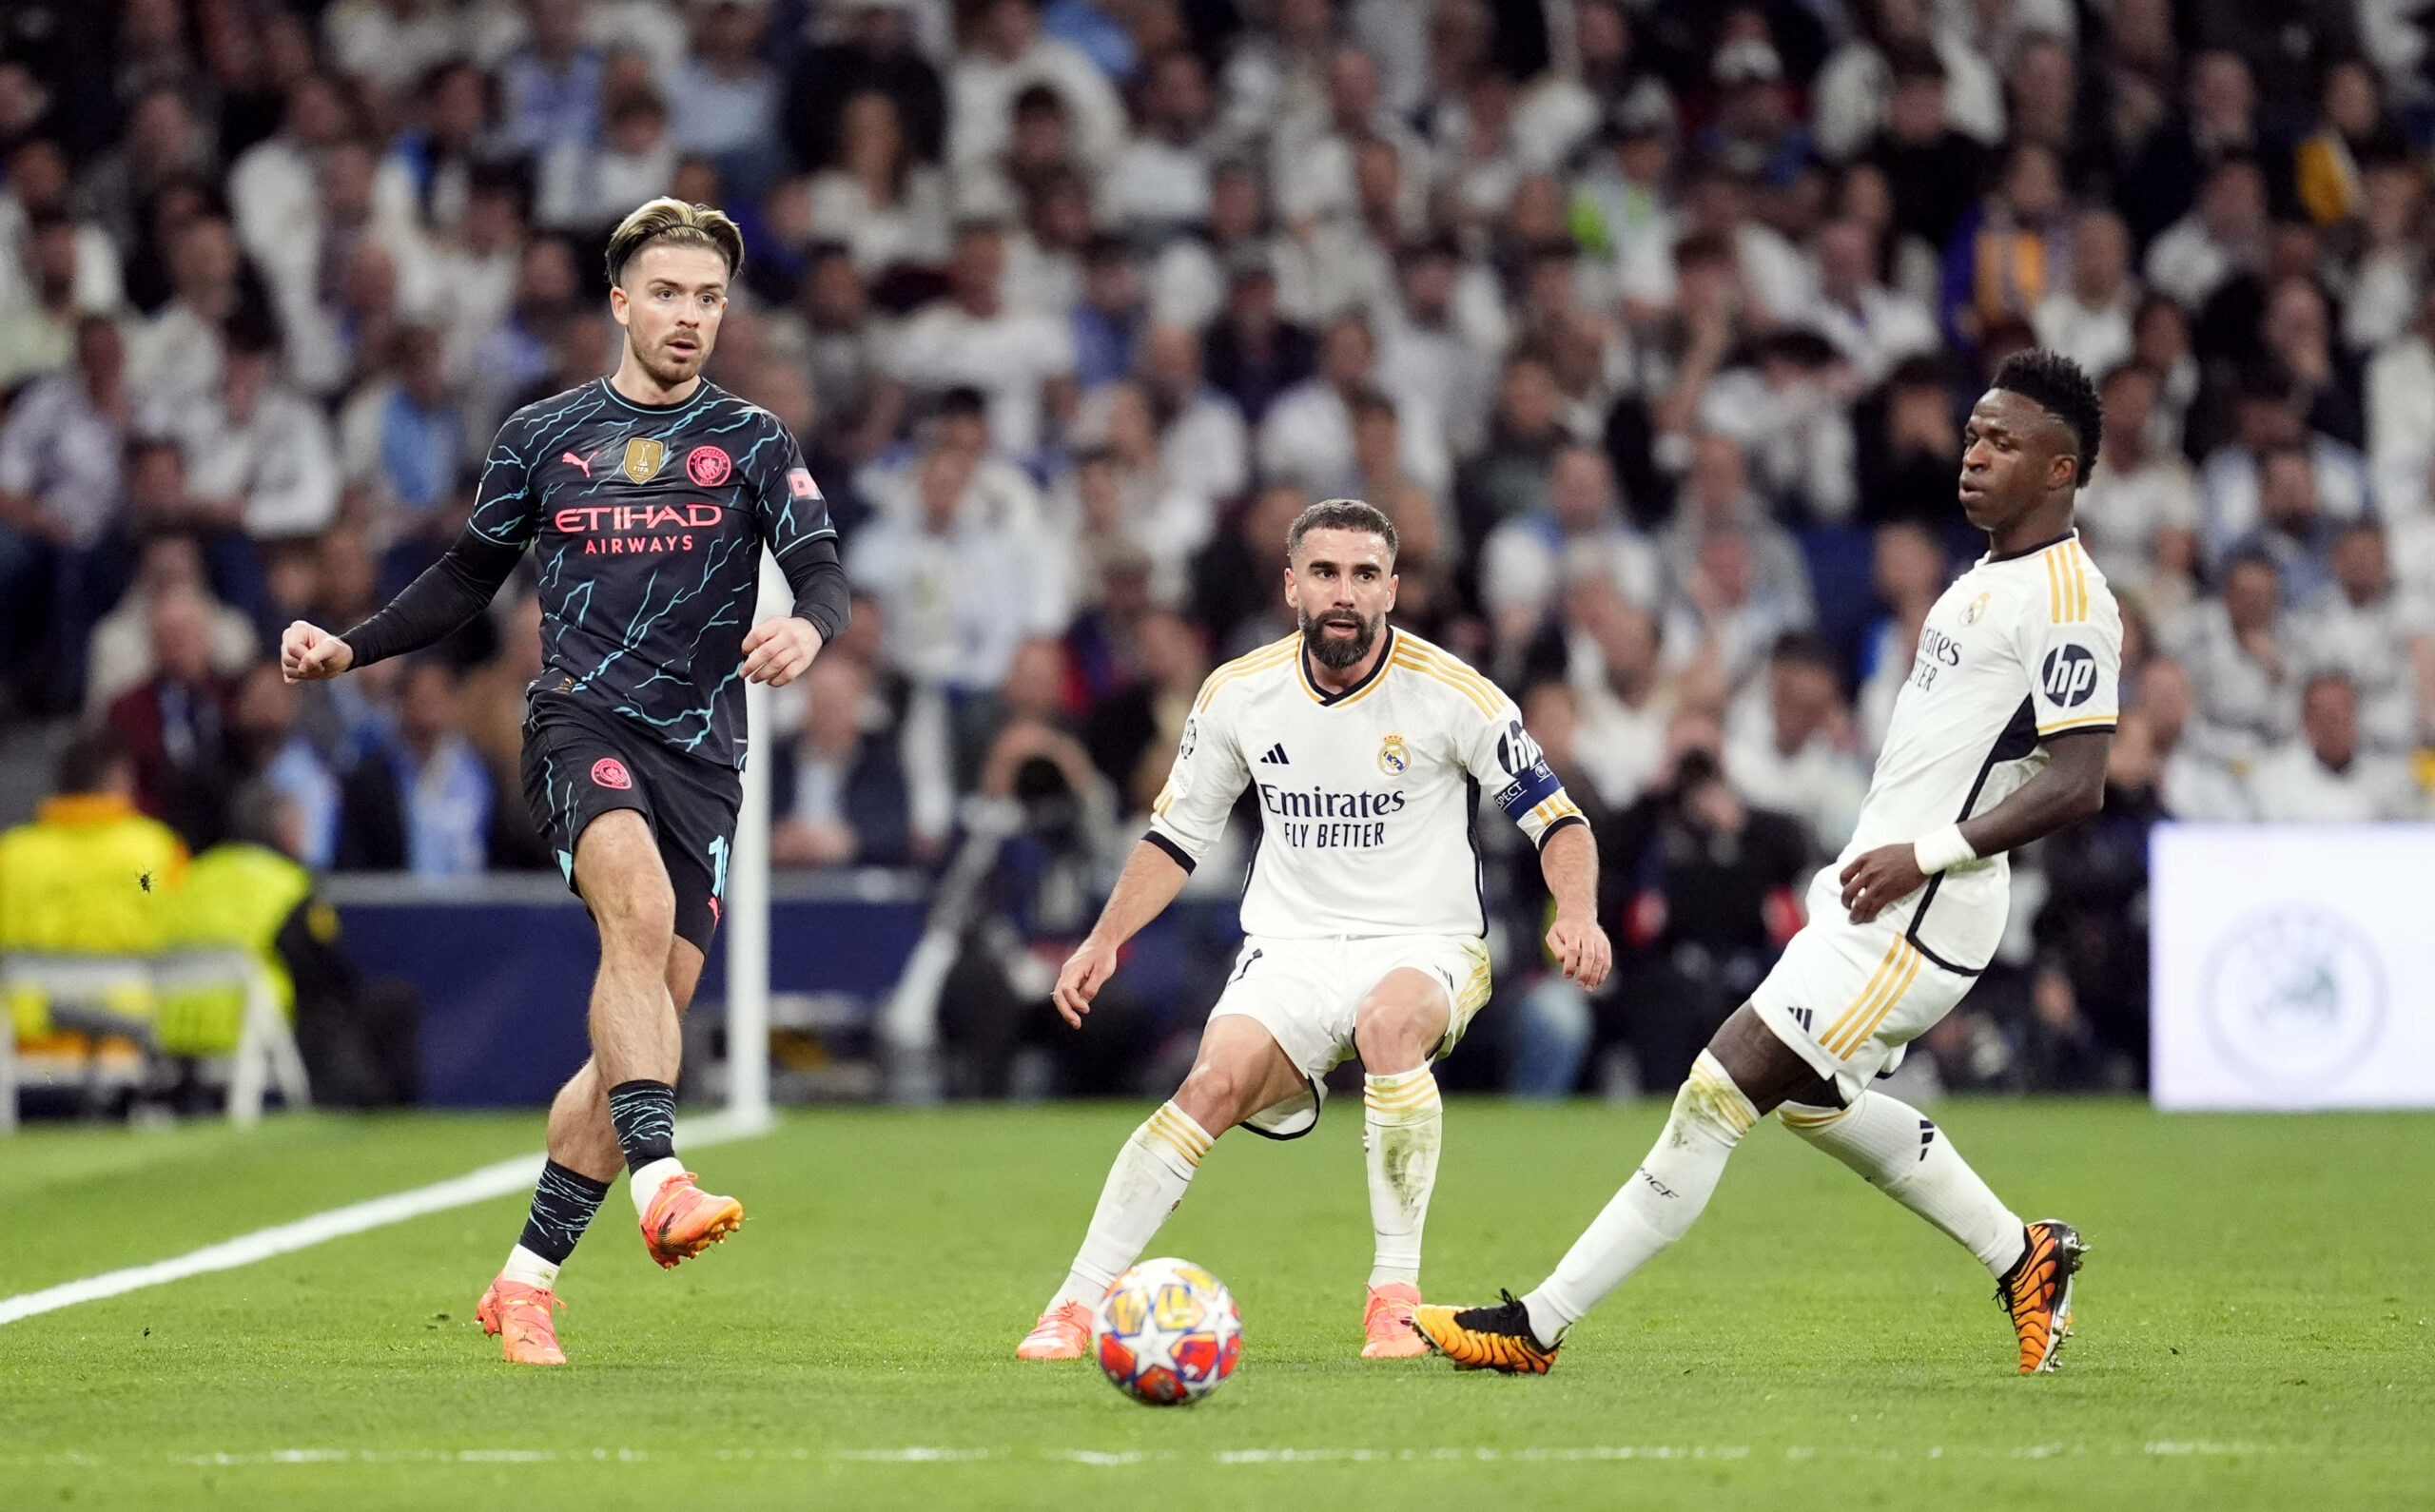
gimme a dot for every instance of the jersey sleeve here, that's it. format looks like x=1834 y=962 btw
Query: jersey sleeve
x=507 y=507
x=786 y=504
x=2071 y=646
x=1207 y=777
x=1514 y=771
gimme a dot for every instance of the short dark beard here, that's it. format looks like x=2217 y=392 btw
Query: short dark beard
x=1337 y=655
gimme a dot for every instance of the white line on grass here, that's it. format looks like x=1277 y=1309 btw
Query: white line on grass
x=919 y=1454
x=494 y=1180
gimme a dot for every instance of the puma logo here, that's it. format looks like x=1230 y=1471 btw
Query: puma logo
x=570 y=456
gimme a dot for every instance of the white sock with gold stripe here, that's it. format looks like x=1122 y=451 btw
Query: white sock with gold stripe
x=1900 y=1151
x=1148 y=1180
x=1656 y=1206
x=1403 y=1126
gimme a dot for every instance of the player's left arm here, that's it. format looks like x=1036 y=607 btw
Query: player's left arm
x=1511 y=767
x=794 y=522
x=2073 y=653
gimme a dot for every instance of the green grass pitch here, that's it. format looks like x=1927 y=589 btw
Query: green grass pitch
x=2253 y=1329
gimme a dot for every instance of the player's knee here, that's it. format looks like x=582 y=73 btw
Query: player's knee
x=1215 y=1095
x=1396 y=1034
x=638 y=911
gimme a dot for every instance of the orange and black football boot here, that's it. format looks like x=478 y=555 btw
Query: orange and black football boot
x=2037 y=1291
x=1497 y=1338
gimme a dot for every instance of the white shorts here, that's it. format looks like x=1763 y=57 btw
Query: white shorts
x=1849 y=996
x=1304 y=993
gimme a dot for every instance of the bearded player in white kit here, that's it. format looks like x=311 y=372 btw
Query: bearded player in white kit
x=1999 y=737
x=1362 y=912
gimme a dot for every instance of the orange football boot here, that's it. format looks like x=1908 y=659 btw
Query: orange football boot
x=1497 y=1338
x=1386 y=1322
x=2037 y=1291
x=518 y=1312
x=684 y=1220
x=1063 y=1333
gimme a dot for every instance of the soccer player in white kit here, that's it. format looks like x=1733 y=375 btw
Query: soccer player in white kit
x=1362 y=912
x=1999 y=737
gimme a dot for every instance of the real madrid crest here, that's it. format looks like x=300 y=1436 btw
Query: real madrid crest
x=1977 y=607
x=644 y=457
x=1393 y=759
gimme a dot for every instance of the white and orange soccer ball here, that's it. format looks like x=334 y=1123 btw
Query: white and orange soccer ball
x=1167 y=1332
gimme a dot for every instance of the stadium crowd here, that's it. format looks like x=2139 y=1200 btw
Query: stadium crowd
x=1650 y=323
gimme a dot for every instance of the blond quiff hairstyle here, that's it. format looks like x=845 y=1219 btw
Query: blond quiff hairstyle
x=676 y=222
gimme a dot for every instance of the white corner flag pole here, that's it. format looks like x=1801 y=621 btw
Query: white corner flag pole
x=748 y=895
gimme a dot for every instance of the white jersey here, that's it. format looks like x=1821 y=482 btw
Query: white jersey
x=1366 y=797
x=2014 y=651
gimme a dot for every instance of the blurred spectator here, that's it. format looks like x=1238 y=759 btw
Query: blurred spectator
x=120 y=654
x=2138 y=512
x=2215 y=122
x=1530 y=559
x=1855 y=89
x=2223 y=236
x=2324 y=777
x=1909 y=571
x=1905 y=440
x=2379 y=641
x=2237 y=650
x=423 y=801
x=2292 y=530
x=38 y=321
x=1133 y=733
x=75 y=880
x=960 y=592
x=2005 y=248
x=1159 y=182
x=257 y=454
x=1786 y=412
x=2230 y=481
x=874 y=195
x=2195 y=780
x=1022 y=359
x=2400 y=399
x=270 y=750
x=1795 y=749
x=2087 y=317
x=1932 y=171
x=174 y=354
x=839 y=792
x=1307 y=435
x=587 y=185
x=1255 y=354
x=1701 y=893
x=404 y=434
x=1871 y=325
x=1623 y=705
x=1004 y=52
x=870 y=48
x=174 y=725
x=550 y=86
x=726 y=98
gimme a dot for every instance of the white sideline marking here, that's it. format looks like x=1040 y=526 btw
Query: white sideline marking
x=494 y=1180
x=919 y=1454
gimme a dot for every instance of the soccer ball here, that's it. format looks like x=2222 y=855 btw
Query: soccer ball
x=1167 y=1332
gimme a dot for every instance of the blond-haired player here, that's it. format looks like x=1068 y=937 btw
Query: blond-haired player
x=646 y=497
x=1369 y=750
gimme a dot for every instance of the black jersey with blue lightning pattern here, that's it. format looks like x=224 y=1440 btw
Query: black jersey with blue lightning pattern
x=646 y=526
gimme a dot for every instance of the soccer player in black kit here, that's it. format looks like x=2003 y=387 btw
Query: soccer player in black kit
x=646 y=497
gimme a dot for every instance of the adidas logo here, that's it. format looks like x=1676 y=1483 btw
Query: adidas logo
x=1927 y=1137
x=1276 y=756
x=1801 y=1016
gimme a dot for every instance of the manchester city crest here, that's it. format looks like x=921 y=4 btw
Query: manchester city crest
x=1392 y=758
x=644 y=457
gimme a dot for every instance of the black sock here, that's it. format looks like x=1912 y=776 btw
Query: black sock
x=645 y=1114
x=563 y=1203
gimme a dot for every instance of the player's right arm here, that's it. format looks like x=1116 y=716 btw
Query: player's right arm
x=1209 y=774
x=449 y=594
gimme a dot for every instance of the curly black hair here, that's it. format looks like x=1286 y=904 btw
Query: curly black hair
x=2056 y=384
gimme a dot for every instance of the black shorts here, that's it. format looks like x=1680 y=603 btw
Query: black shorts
x=581 y=761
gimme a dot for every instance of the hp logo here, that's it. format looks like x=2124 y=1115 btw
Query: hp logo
x=2069 y=676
